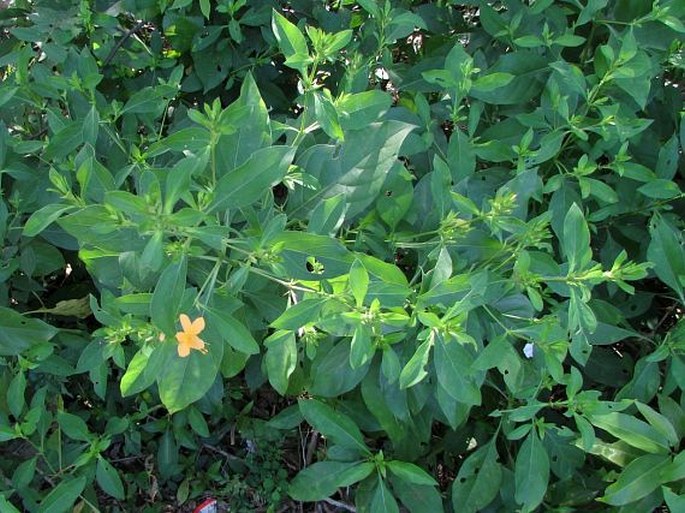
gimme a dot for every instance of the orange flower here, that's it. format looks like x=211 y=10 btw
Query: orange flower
x=188 y=338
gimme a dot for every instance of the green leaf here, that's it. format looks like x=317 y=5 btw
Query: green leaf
x=280 y=359
x=64 y=142
x=417 y=498
x=205 y=8
x=359 y=281
x=290 y=41
x=492 y=81
x=178 y=179
x=675 y=471
x=166 y=299
x=659 y=422
x=91 y=126
x=327 y=217
x=329 y=377
x=478 y=480
x=411 y=473
x=44 y=217
x=461 y=157
x=299 y=314
x=233 y=331
x=192 y=139
x=327 y=116
x=245 y=128
x=7 y=433
x=631 y=431
x=338 y=427
x=6 y=506
x=16 y=394
x=640 y=478
x=63 y=496
x=666 y=252
x=136 y=378
x=528 y=69
x=167 y=455
x=247 y=183
x=182 y=381
x=357 y=168
x=19 y=333
x=357 y=111
x=660 y=188
x=396 y=198
x=149 y=100
x=362 y=347
x=576 y=240
x=24 y=474
x=108 y=479
x=453 y=364
x=74 y=426
x=673 y=501
x=198 y=422
x=598 y=189
x=532 y=472
x=322 y=479
x=569 y=40
x=415 y=370
x=382 y=500
x=297 y=248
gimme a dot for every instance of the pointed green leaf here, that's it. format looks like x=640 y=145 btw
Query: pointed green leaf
x=640 y=478
x=6 y=506
x=18 y=333
x=338 y=427
x=576 y=240
x=492 y=81
x=299 y=314
x=666 y=252
x=234 y=332
x=290 y=40
x=246 y=184
x=43 y=217
x=453 y=365
x=74 y=426
x=63 y=496
x=108 y=479
x=280 y=359
x=411 y=473
x=136 y=379
x=532 y=472
x=322 y=479
x=166 y=299
x=182 y=381
x=478 y=480
x=359 y=281
x=362 y=347
x=382 y=500
x=415 y=370
x=631 y=431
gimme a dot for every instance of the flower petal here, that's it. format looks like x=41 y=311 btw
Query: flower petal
x=196 y=343
x=185 y=322
x=183 y=350
x=197 y=326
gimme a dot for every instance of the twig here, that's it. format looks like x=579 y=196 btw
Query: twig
x=311 y=447
x=342 y=505
x=121 y=41
x=225 y=454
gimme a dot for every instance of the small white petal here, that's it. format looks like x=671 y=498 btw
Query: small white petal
x=528 y=350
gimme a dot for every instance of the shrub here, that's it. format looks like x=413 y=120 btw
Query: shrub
x=418 y=255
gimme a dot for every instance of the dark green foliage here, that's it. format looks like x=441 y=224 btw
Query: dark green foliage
x=430 y=254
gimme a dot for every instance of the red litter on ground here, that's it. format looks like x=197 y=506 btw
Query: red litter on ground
x=207 y=506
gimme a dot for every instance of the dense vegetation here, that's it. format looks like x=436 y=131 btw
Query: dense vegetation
x=351 y=255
